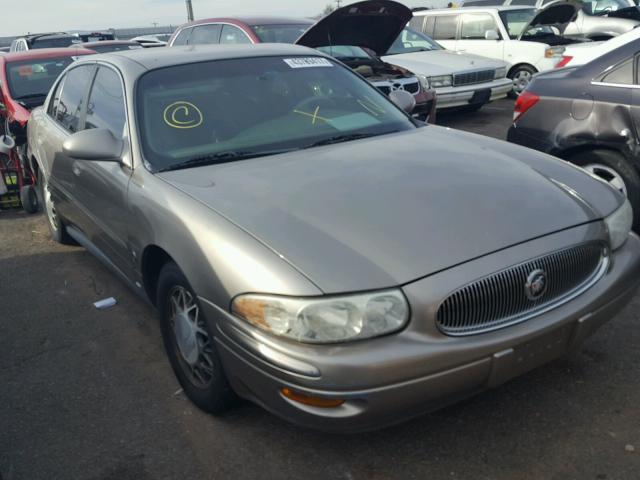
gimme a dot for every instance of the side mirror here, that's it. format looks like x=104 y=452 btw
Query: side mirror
x=96 y=144
x=491 y=35
x=403 y=100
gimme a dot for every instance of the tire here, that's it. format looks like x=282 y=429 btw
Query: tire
x=194 y=358
x=614 y=168
x=520 y=76
x=55 y=223
x=29 y=199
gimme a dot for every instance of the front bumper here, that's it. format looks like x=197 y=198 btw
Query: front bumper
x=391 y=379
x=462 y=96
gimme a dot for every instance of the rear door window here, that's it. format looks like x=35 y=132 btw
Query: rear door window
x=622 y=74
x=106 y=108
x=445 y=27
x=205 y=35
x=527 y=3
x=231 y=35
x=72 y=100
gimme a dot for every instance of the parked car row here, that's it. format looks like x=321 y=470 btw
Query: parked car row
x=317 y=249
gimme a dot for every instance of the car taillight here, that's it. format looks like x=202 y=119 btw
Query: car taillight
x=565 y=60
x=525 y=101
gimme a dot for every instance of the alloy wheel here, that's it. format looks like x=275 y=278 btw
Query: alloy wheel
x=49 y=206
x=191 y=336
x=609 y=175
x=521 y=80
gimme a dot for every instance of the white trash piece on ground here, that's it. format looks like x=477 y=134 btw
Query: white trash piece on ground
x=106 y=303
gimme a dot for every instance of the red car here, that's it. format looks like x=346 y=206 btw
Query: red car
x=25 y=80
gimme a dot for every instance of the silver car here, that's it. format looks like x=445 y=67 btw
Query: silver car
x=309 y=246
x=594 y=20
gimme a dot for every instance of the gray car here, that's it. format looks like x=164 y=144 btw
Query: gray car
x=309 y=246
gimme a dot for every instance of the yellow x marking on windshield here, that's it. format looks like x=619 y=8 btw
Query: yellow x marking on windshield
x=314 y=116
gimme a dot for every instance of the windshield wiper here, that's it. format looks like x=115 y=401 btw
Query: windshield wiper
x=221 y=157
x=345 y=138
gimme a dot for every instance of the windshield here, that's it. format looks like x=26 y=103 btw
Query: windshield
x=605 y=6
x=516 y=20
x=279 y=33
x=345 y=51
x=229 y=109
x=31 y=80
x=409 y=41
x=59 y=42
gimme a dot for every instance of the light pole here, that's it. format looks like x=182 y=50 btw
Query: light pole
x=189 y=11
x=338 y=2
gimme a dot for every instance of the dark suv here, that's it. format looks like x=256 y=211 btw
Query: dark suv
x=44 y=40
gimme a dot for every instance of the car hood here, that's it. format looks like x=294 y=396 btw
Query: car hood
x=442 y=62
x=371 y=24
x=556 y=15
x=381 y=212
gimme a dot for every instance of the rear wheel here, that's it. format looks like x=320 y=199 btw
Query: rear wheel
x=29 y=199
x=56 y=227
x=617 y=171
x=188 y=340
x=521 y=77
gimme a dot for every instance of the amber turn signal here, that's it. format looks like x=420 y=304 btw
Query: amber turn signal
x=320 y=402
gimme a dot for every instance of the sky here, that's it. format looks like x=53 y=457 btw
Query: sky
x=55 y=15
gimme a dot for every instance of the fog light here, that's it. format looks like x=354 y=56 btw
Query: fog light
x=305 y=399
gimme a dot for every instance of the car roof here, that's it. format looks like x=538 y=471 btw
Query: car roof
x=153 y=58
x=44 y=53
x=498 y=8
x=103 y=42
x=36 y=36
x=251 y=20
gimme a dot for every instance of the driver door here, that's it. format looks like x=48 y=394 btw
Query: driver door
x=473 y=30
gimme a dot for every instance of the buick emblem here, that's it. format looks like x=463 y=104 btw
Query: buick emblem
x=536 y=285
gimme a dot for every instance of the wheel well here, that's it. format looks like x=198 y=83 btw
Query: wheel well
x=153 y=259
x=573 y=151
x=517 y=65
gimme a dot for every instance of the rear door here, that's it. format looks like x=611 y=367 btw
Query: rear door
x=473 y=31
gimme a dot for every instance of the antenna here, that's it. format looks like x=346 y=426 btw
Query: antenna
x=338 y=3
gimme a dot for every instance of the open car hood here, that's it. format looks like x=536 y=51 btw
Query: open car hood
x=373 y=24
x=557 y=15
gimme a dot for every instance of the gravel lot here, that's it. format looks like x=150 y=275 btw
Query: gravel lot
x=88 y=394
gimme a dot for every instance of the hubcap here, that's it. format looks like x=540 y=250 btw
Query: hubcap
x=49 y=206
x=609 y=175
x=521 y=80
x=191 y=335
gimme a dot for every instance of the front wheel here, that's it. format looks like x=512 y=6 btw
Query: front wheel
x=521 y=77
x=189 y=342
x=617 y=171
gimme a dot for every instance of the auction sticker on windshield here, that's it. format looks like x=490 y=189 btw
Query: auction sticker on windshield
x=307 y=62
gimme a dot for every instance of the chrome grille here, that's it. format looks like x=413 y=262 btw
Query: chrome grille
x=473 y=77
x=500 y=299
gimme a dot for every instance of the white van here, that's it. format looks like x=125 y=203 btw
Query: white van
x=528 y=40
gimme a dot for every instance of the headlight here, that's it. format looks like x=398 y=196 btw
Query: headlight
x=441 y=81
x=619 y=224
x=554 y=52
x=500 y=72
x=424 y=82
x=325 y=320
